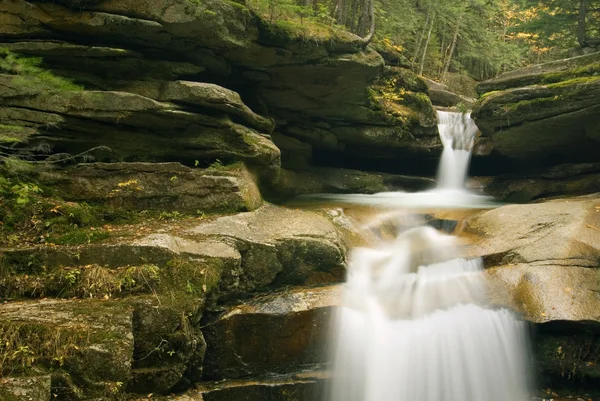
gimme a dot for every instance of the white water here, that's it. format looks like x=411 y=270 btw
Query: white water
x=415 y=323
x=457 y=134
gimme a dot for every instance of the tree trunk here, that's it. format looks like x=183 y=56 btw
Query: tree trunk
x=581 y=35
x=351 y=23
x=454 y=40
x=338 y=12
x=426 y=44
x=371 y=15
x=418 y=45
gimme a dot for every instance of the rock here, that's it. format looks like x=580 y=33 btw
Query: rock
x=204 y=95
x=556 y=233
x=448 y=99
x=294 y=152
x=292 y=71
x=543 y=263
x=91 y=340
x=168 y=344
x=240 y=253
x=307 y=247
x=318 y=180
x=561 y=180
x=101 y=67
x=298 y=387
x=137 y=120
x=441 y=95
x=544 y=124
x=293 y=326
x=157 y=186
x=36 y=388
x=553 y=71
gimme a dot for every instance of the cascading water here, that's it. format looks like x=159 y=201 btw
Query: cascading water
x=415 y=322
x=457 y=133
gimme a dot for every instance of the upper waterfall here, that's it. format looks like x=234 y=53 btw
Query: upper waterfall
x=457 y=133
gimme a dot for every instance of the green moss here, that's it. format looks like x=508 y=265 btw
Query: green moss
x=78 y=236
x=573 y=82
x=489 y=95
x=28 y=73
x=588 y=70
x=537 y=102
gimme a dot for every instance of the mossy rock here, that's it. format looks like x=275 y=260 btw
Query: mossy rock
x=552 y=124
x=91 y=340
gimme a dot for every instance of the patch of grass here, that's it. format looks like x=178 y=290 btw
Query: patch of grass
x=25 y=345
x=28 y=73
x=78 y=236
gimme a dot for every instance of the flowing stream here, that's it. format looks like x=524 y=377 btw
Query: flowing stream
x=415 y=322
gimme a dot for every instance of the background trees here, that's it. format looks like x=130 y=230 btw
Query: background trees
x=478 y=38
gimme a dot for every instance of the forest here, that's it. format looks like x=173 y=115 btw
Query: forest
x=479 y=38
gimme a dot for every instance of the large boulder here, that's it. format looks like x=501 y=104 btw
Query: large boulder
x=543 y=262
x=165 y=187
x=292 y=325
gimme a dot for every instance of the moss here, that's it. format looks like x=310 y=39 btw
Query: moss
x=529 y=103
x=588 y=70
x=78 y=237
x=28 y=73
x=489 y=95
x=573 y=82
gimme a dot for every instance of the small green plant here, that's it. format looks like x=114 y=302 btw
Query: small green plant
x=217 y=164
x=165 y=216
x=463 y=108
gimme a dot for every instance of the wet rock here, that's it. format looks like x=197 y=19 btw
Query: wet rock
x=562 y=232
x=299 y=387
x=292 y=325
x=543 y=263
x=157 y=186
x=36 y=388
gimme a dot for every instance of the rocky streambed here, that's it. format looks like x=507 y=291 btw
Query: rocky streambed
x=142 y=253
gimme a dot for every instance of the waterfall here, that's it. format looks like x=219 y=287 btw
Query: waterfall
x=457 y=133
x=416 y=323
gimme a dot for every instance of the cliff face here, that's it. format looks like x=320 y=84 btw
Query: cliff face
x=153 y=77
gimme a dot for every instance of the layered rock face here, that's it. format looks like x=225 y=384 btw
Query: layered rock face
x=163 y=83
x=545 y=114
